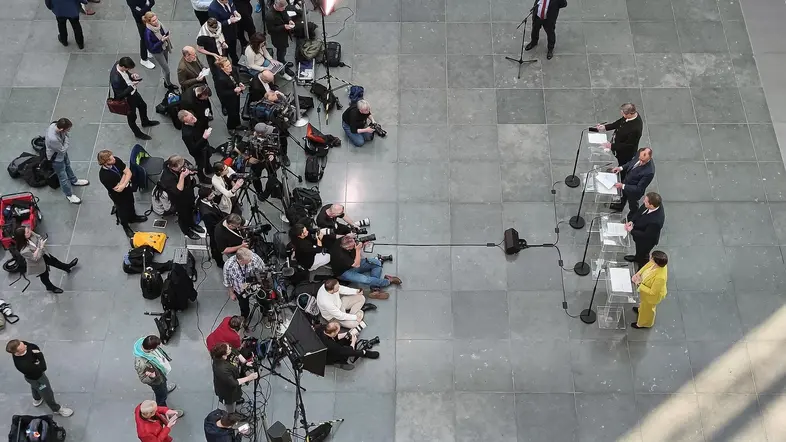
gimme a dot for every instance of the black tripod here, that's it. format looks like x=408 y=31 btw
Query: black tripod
x=253 y=205
x=521 y=61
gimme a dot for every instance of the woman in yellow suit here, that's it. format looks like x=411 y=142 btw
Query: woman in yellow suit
x=651 y=281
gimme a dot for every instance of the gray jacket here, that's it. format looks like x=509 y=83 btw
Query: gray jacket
x=34 y=266
x=56 y=143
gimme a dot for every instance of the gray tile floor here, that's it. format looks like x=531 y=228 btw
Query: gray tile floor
x=474 y=346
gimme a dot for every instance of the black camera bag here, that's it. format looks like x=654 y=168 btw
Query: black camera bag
x=167 y=324
x=314 y=169
x=333 y=54
x=309 y=198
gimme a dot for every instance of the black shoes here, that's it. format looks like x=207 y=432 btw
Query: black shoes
x=370 y=354
x=629 y=258
x=550 y=54
x=150 y=123
x=368 y=307
x=385 y=258
x=636 y=310
x=63 y=41
x=143 y=136
x=285 y=160
x=198 y=229
x=193 y=236
x=635 y=325
x=55 y=290
x=530 y=45
x=129 y=232
x=139 y=219
x=616 y=207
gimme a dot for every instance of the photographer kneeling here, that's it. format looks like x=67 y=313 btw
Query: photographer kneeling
x=228 y=379
x=340 y=350
x=359 y=125
x=309 y=251
x=328 y=217
x=178 y=182
x=240 y=271
x=348 y=263
x=228 y=237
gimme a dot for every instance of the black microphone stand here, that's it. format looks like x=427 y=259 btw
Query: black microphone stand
x=588 y=316
x=521 y=61
x=582 y=268
x=577 y=222
x=572 y=180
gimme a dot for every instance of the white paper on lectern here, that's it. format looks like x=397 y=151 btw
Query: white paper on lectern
x=620 y=280
x=597 y=137
x=616 y=229
x=608 y=179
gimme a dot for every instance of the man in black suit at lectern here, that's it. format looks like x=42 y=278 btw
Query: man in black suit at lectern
x=639 y=173
x=627 y=133
x=644 y=226
x=544 y=15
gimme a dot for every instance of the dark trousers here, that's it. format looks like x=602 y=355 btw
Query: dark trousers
x=75 y=25
x=232 y=105
x=281 y=53
x=161 y=392
x=202 y=16
x=230 y=36
x=202 y=160
x=136 y=103
x=633 y=204
x=41 y=389
x=550 y=25
x=54 y=262
x=214 y=252
x=245 y=307
x=185 y=218
x=642 y=253
x=246 y=24
x=140 y=27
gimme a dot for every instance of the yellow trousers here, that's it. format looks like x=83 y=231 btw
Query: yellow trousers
x=646 y=314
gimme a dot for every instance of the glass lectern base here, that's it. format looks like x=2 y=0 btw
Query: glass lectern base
x=611 y=317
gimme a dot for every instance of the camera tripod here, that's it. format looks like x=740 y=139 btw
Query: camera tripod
x=256 y=212
x=521 y=61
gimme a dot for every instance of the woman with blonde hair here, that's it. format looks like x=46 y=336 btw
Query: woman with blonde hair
x=651 y=283
x=229 y=88
x=116 y=178
x=158 y=44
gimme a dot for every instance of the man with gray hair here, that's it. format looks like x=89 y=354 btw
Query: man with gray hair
x=195 y=139
x=240 y=272
x=190 y=71
x=627 y=133
x=328 y=217
x=355 y=122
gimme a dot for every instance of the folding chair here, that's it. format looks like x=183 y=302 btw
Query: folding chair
x=144 y=167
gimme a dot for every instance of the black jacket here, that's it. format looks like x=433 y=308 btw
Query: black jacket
x=625 y=141
x=193 y=138
x=226 y=84
x=225 y=384
x=647 y=226
x=553 y=9
x=32 y=365
x=140 y=7
x=190 y=102
x=183 y=200
x=338 y=351
x=120 y=89
x=637 y=179
x=214 y=433
x=276 y=20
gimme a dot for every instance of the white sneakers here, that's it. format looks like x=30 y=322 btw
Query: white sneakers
x=73 y=199
x=286 y=76
x=148 y=64
x=65 y=412
x=81 y=183
x=37 y=403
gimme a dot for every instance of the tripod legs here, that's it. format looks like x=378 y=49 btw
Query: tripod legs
x=521 y=61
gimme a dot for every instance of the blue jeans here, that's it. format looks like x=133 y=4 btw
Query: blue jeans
x=358 y=275
x=64 y=173
x=357 y=139
x=161 y=391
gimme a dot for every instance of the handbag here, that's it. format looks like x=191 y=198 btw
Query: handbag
x=119 y=107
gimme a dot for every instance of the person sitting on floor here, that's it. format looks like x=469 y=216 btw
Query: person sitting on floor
x=339 y=350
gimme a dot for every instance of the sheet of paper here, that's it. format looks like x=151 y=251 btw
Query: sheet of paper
x=204 y=72
x=609 y=242
x=620 y=280
x=616 y=229
x=597 y=137
x=607 y=179
x=291 y=13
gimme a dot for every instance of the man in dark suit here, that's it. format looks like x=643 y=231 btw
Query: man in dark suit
x=225 y=12
x=138 y=9
x=638 y=174
x=195 y=137
x=627 y=133
x=284 y=21
x=544 y=15
x=644 y=226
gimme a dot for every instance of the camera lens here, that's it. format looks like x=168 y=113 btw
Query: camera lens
x=365 y=238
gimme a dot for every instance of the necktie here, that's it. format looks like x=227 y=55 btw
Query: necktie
x=544 y=4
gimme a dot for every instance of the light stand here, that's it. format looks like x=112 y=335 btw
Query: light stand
x=572 y=180
x=588 y=316
x=327 y=75
x=521 y=61
x=582 y=268
x=302 y=120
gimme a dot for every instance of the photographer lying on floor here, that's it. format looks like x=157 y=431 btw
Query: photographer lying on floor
x=340 y=350
x=328 y=217
x=359 y=125
x=348 y=263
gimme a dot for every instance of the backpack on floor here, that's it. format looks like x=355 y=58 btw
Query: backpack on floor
x=333 y=54
x=39 y=173
x=38 y=144
x=156 y=240
x=152 y=283
x=315 y=169
x=356 y=94
x=170 y=106
x=18 y=164
x=167 y=324
x=178 y=289
x=297 y=213
x=309 y=198
x=310 y=50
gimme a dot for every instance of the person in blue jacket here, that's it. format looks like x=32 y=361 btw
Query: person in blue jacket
x=68 y=11
x=225 y=12
x=158 y=44
x=138 y=10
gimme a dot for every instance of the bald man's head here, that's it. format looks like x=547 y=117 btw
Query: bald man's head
x=189 y=53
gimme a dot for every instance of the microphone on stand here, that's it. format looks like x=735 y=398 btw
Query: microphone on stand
x=595 y=129
x=577 y=222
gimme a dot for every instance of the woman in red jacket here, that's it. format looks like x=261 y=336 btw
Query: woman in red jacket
x=153 y=423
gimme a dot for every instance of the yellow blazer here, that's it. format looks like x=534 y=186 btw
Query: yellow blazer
x=652 y=289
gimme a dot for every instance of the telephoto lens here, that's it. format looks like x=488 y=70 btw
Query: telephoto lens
x=367 y=238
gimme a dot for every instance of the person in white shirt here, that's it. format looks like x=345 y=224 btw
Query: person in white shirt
x=258 y=58
x=343 y=304
x=226 y=187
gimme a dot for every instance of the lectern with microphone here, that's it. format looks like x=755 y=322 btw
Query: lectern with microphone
x=606 y=186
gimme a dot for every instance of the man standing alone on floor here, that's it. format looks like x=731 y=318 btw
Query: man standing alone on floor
x=29 y=360
x=57 y=144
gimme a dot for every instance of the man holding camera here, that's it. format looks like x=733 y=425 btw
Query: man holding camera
x=228 y=237
x=178 y=182
x=355 y=121
x=309 y=250
x=343 y=304
x=348 y=263
x=212 y=216
x=195 y=138
x=328 y=217
x=340 y=350
x=239 y=272
x=228 y=379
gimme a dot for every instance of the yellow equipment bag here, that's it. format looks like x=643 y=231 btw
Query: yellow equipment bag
x=153 y=239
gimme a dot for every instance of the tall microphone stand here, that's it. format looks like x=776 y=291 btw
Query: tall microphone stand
x=572 y=180
x=582 y=268
x=588 y=316
x=521 y=61
x=577 y=222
